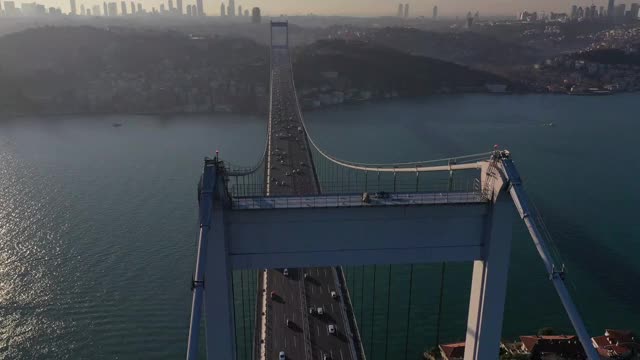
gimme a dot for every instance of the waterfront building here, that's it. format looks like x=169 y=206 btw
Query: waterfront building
x=140 y=8
x=406 y=10
x=72 y=6
x=400 y=9
x=95 y=10
x=199 y=8
x=435 y=12
x=179 y=7
x=222 y=10
x=123 y=8
x=633 y=10
x=239 y=10
x=113 y=9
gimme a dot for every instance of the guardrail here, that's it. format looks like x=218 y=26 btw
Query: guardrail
x=355 y=200
x=305 y=319
x=357 y=352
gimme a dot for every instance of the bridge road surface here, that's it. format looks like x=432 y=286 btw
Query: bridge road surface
x=290 y=172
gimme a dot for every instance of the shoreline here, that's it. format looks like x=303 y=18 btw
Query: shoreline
x=8 y=116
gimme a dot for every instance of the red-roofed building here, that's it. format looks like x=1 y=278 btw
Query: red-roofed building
x=453 y=351
x=553 y=346
x=616 y=344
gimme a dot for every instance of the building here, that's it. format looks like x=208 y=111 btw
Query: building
x=453 y=351
x=223 y=11
x=256 y=17
x=435 y=12
x=574 y=12
x=10 y=8
x=563 y=346
x=199 y=8
x=133 y=8
x=140 y=11
x=105 y=9
x=113 y=9
x=123 y=8
x=179 y=7
x=246 y=13
x=239 y=10
x=620 y=11
x=633 y=10
x=95 y=10
x=406 y=10
x=611 y=8
x=616 y=344
x=400 y=10
x=231 y=11
x=33 y=9
x=72 y=6
x=82 y=12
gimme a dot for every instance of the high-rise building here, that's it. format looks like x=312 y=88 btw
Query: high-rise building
x=246 y=13
x=406 y=10
x=239 y=10
x=82 y=9
x=620 y=10
x=580 y=13
x=601 y=13
x=633 y=10
x=199 y=8
x=162 y=9
x=574 y=12
x=140 y=11
x=10 y=8
x=223 y=10
x=179 y=7
x=611 y=12
x=123 y=8
x=95 y=10
x=435 y=12
x=113 y=9
x=72 y=6
x=256 y=17
x=189 y=10
x=170 y=5
x=133 y=8
x=231 y=11
x=400 y=10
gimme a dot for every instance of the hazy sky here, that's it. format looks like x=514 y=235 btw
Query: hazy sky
x=368 y=7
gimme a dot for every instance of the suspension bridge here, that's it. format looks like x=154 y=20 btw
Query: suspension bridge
x=274 y=238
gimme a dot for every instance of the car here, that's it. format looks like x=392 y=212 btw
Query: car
x=289 y=323
x=282 y=356
x=285 y=272
x=306 y=276
x=334 y=295
x=274 y=295
x=326 y=357
x=320 y=310
x=312 y=310
x=332 y=329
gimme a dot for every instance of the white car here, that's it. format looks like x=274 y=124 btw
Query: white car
x=320 y=311
x=334 y=295
x=282 y=356
x=332 y=329
x=285 y=272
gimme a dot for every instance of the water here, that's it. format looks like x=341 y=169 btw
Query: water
x=98 y=223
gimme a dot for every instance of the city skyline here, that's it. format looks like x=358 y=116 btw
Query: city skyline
x=357 y=7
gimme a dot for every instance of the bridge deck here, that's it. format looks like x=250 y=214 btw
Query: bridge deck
x=355 y=200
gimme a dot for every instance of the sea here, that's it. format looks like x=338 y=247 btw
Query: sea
x=98 y=222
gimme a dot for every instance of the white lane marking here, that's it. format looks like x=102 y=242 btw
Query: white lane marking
x=318 y=330
x=285 y=342
x=333 y=311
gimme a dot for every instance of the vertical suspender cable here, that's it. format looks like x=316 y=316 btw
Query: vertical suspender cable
x=362 y=295
x=233 y=291
x=244 y=311
x=386 y=341
x=373 y=310
x=406 y=340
